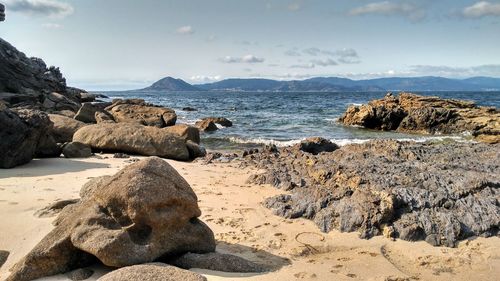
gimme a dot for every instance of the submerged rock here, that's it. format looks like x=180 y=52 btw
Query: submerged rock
x=151 y=272
x=437 y=192
x=427 y=115
x=143 y=212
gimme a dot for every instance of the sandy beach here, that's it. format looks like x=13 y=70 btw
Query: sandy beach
x=296 y=249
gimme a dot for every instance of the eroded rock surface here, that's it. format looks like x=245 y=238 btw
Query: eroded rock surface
x=438 y=192
x=64 y=127
x=137 y=111
x=152 y=272
x=145 y=211
x=427 y=115
x=216 y=261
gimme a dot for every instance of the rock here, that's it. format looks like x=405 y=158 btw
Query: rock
x=426 y=115
x=54 y=208
x=189 y=109
x=92 y=186
x=438 y=192
x=103 y=117
x=2 y=12
x=76 y=150
x=135 y=112
x=25 y=134
x=87 y=112
x=185 y=131
x=317 y=145
x=216 y=261
x=152 y=272
x=143 y=212
x=195 y=150
x=86 y=97
x=56 y=101
x=206 y=126
x=133 y=138
x=64 y=127
x=4 y=255
x=80 y=274
x=120 y=155
x=219 y=120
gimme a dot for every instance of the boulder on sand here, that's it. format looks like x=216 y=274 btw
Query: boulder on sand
x=152 y=272
x=216 y=261
x=133 y=138
x=143 y=212
x=134 y=111
x=64 y=127
x=76 y=150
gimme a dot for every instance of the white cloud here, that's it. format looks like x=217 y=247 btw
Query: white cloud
x=482 y=9
x=325 y=62
x=244 y=59
x=205 y=78
x=388 y=8
x=312 y=51
x=305 y=66
x=187 y=29
x=51 y=25
x=292 y=53
x=49 y=8
x=294 y=7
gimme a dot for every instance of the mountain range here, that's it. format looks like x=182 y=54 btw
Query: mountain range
x=332 y=84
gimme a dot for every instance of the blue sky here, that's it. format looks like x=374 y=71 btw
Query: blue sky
x=123 y=44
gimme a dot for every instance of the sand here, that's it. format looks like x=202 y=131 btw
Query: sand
x=295 y=248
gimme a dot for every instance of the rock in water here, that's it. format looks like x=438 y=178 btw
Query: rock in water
x=317 y=145
x=143 y=212
x=152 y=272
x=133 y=138
x=206 y=126
x=427 y=115
x=64 y=127
x=437 y=192
x=219 y=120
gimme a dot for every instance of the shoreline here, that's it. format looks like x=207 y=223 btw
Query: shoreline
x=233 y=210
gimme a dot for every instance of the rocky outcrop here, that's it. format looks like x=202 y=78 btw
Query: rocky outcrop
x=152 y=272
x=427 y=115
x=437 y=192
x=64 y=127
x=143 y=212
x=185 y=131
x=87 y=112
x=135 y=139
x=316 y=145
x=219 y=120
x=76 y=150
x=25 y=134
x=137 y=111
x=2 y=12
x=206 y=126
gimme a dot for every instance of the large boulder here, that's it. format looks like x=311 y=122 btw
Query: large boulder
x=24 y=134
x=56 y=102
x=316 y=145
x=152 y=272
x=143 y=212
x=217 y=261
x=133 y=138
x=185 y=131
x=64 y=127
x=206 y=126
x=88 y=111
x=428 y=115
x=76 y=150
x=138 y=112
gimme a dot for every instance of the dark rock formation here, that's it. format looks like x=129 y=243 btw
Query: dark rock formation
x=2 y=12
x=80 y=274
x=64 y=127
x=216 y=261
x=316 y=145
x=427 y=115
x=25 y=134
x=76 y=150
x=187 y=108
x=3 y=257
x=219 y=120
x=438 y=192
x=135 y=139
x=206 y=126
x=152 y=272
x=143 y=212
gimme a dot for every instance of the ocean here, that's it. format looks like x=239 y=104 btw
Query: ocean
x=285 y=118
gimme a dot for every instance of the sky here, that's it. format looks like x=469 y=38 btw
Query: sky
x=127 y=44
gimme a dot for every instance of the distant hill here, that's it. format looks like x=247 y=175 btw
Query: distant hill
x=333 y=84
x=170 y=84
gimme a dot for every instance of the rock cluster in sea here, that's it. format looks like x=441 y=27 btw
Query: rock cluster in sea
x=144 y=213
x=428 y=115
x=437 y=192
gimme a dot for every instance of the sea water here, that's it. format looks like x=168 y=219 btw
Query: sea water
x=285 y=118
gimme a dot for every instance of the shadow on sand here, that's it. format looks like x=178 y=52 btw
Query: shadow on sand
x=52 y=166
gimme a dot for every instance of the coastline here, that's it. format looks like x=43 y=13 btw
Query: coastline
x=242 y=226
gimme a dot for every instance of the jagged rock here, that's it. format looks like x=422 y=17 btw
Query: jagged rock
x=2 y=12
x=103 y=117
x=206 y=126
x=24 y=134
x=428 y=115
x=64 y=127
x=152 y=272
x=54 y=208
x=76 y=150
x=317 y=145
x=216 y=261
x=437 y=192
x=3 y=257
x=219 y=120
x=143 y=212
x=80 y=274
x=133 y=111
x=133 y=138
x=87 y=112
x=55 y=101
